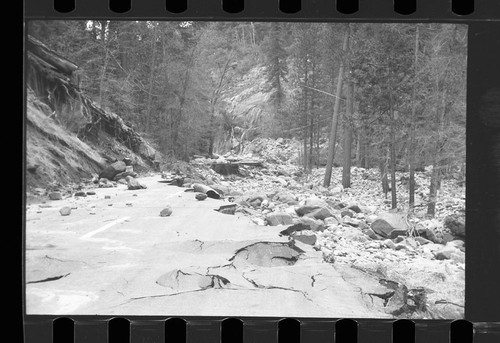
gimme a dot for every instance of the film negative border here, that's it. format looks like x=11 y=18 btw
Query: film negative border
x=261 y=330
x=482 y=316
x=265 y=10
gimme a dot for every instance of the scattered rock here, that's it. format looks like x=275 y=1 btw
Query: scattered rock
x=363 y=226
x=371 y=218
x=294 y=228
x=390 y=225
x=313 y=224
x=306 y=239
x=279 y=218
x=372 y=245
x=422 y=240
x=124 y=174
x=411 y=242
x=166 y=212
x=332 y=220
x=133 y=184
x=107 y=197
x=210 y=192
x=320 y=213
x=459 y=244
x=355 y=208
x=457 y=256
x=351 y=221
x=90 y=193
x=55 y=196
x=346 y=213
x=228 y=209
x=305 y=209
x=401 y=246
x=65 y=211
x=370 y=233
x=398 y=239
x=284 y=197
x=456 y=224
x=80 y=194
x=112 y=170
x=447 y=237
x=339 y=205
x=431 y=235
x=389 y=244
x=201 y=196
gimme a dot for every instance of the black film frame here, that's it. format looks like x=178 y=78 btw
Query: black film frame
x=482 y=306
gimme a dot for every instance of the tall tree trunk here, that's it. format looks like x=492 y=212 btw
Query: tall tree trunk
x=318 y=135
x=346 y=169
x=411 y=200
x=152 y=78
x=394 y=202
x=383 y=173
x=335 y=117
x=306 y=114
x=105 y=62
x=436 y=164
x=311 y=121
x=311 y=143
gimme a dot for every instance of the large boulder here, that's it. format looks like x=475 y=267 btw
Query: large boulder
x=311 y=205
x=55 y=196
x=279 y=218
x=133 y=184
x=390 y=225
x=284 y=197
x=456 y=224
x=305 y=238
x=209 y=191
x=313 y=224
x=321 y=213
x=112 y=170
x=124 y=174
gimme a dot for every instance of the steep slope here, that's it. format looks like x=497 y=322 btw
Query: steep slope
x=54 y=155
x=68 y=137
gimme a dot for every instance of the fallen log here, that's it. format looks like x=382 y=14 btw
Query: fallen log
x=62 y=64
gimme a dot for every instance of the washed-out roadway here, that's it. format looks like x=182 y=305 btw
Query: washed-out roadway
x=118 y=256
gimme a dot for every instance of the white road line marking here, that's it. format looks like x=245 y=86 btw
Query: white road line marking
x=88 y=236
x=173 y=195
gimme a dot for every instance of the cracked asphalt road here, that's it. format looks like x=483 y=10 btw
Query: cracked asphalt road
x=117 y=256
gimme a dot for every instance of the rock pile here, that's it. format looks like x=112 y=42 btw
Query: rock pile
x=356 y=228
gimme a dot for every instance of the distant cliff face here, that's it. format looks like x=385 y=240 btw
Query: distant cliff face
x=245 y=107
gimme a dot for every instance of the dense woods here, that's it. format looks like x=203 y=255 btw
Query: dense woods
x=386 y=96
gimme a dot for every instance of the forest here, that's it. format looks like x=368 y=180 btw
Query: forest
x=386 y=96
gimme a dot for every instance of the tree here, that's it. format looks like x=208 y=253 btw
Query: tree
x=276 y=62
x=346 y=168
x=333 y=129
x=411 y=152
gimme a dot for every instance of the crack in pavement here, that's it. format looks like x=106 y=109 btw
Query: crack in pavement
x=245 y=248
x=256 y=285
x=384 y=296
x=54 y=278
x=201 y=243
x=219 y=266
x=59 y=260
x=313 y=279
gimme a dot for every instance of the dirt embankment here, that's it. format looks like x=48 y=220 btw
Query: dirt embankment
x=68 y=137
